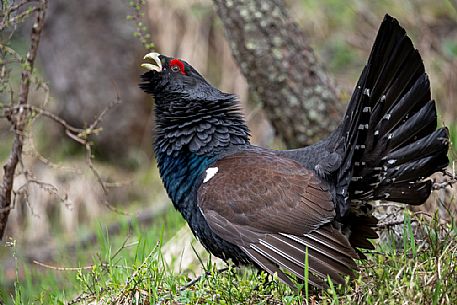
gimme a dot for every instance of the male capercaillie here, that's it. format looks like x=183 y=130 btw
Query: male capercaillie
x=268 y=208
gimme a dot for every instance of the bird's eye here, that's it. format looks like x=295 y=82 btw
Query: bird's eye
x=177 y=66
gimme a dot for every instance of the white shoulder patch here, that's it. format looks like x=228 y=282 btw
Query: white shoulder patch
x=210 y=173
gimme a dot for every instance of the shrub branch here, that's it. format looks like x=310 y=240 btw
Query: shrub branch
x=18 y=120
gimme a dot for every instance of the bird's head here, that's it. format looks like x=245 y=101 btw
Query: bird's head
x=172 y=78
x=190 y=112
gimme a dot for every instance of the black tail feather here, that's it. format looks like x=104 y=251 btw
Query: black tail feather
x=397 y=192
x=419 y=125
x=418 y=95
x=390 y=142
x=424 y=147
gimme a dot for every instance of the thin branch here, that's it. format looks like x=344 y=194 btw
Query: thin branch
x=45 y=186
x=18 y=18
x=449 y=179
x=7 y=11
x=19 y=120
x=198 y=278
x=36 y=154
x=14 y=110
x=84 y=297
x=100 y=181
x=134 y=274
x=64 y=268
x=90 y=267
x=99 y=118
x=19 y=4
x=79 y=135
x=390 y=224
x=91 y=130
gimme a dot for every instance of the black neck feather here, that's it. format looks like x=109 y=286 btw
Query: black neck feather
x=199 y=126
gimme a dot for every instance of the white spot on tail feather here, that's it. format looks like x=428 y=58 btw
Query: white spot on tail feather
x=362 y=146
x=210 y=173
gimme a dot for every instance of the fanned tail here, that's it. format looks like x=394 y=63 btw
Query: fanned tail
x=390 y=142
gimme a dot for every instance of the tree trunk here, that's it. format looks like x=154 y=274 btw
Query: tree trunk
x=89 y=54
x=281 y=68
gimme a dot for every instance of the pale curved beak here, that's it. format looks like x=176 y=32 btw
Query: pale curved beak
x=156 y=66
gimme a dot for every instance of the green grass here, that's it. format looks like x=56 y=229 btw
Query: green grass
x=40 y=285
x=132 y=271
x=416 y=275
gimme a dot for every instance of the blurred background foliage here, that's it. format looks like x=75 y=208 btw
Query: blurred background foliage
x=90 y=53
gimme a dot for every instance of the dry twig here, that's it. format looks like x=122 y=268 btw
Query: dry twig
x=18 y=121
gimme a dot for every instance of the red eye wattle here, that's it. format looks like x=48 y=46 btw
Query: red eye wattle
x=178 y=64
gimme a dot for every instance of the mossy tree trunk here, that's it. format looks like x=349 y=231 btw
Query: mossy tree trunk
x=281 y=68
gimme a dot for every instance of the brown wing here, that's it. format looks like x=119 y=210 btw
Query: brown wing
x=273 y=209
